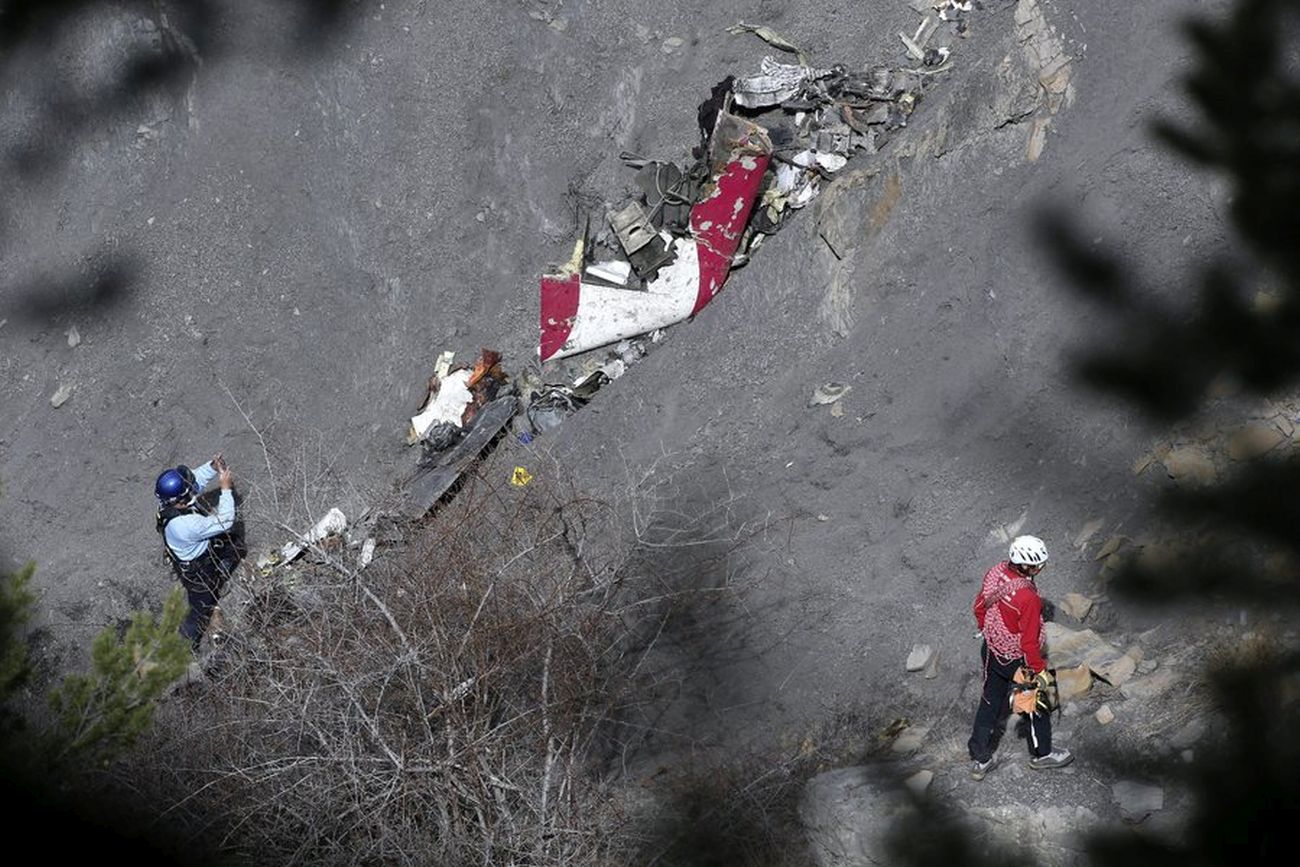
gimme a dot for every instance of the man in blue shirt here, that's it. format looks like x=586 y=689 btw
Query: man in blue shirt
x=197 y=541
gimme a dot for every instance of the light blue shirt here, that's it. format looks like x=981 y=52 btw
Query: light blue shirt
x=187 y=536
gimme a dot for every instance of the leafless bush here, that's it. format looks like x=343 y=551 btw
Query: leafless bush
x=459 y=702
x=300 y=475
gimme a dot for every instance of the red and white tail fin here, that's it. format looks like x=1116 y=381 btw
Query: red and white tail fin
x=577 y=316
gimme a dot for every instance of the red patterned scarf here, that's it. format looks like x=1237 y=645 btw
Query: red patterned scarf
x=1005 y=582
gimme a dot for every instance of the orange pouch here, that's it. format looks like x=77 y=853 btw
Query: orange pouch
x=1024 y=695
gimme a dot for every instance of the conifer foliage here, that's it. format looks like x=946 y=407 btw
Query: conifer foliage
x=101 y=713
x=15 y=608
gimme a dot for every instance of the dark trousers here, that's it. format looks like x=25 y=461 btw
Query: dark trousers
x=995 y=707
x=203 y=577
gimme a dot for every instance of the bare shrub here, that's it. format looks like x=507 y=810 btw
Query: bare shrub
x=462 y=700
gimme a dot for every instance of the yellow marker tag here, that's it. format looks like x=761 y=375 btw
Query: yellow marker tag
x=520 y=477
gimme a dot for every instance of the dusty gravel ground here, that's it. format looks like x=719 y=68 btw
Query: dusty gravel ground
x=311 y=229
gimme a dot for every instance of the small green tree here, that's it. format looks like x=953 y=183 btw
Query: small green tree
x=100 y=714
x=15 y=608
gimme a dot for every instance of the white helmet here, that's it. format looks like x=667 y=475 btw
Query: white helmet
x=1028 y=551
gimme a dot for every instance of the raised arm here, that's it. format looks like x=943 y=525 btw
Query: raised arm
x=203 y=477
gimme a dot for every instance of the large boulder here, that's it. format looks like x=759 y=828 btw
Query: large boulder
x=1071 y=648
x=846 y=814
x=1036 y=833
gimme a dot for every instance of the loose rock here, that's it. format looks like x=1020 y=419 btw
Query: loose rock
x=1189 y=735
x=1151 y=686
x=1073 y=682
x=1189 y=464
x=1110 y=546
x=61 y=395
x=1104 y=715
x=1089 y=530
x=828 y=393
x=1071 y=648
x=910 y=740
x=919 y=782
x=1254 y=440
x=920 y=657
x=1076 y=605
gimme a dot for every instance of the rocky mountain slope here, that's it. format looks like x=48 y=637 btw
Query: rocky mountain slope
x=305 y=235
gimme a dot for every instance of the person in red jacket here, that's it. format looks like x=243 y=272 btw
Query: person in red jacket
x=1009 y=612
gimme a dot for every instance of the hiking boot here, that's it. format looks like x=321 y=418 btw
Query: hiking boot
x=1057 y=758
x=978 y=769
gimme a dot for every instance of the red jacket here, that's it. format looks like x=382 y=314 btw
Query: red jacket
x=1022 y=613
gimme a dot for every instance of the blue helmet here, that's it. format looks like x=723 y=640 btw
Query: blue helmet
x=174 y=484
